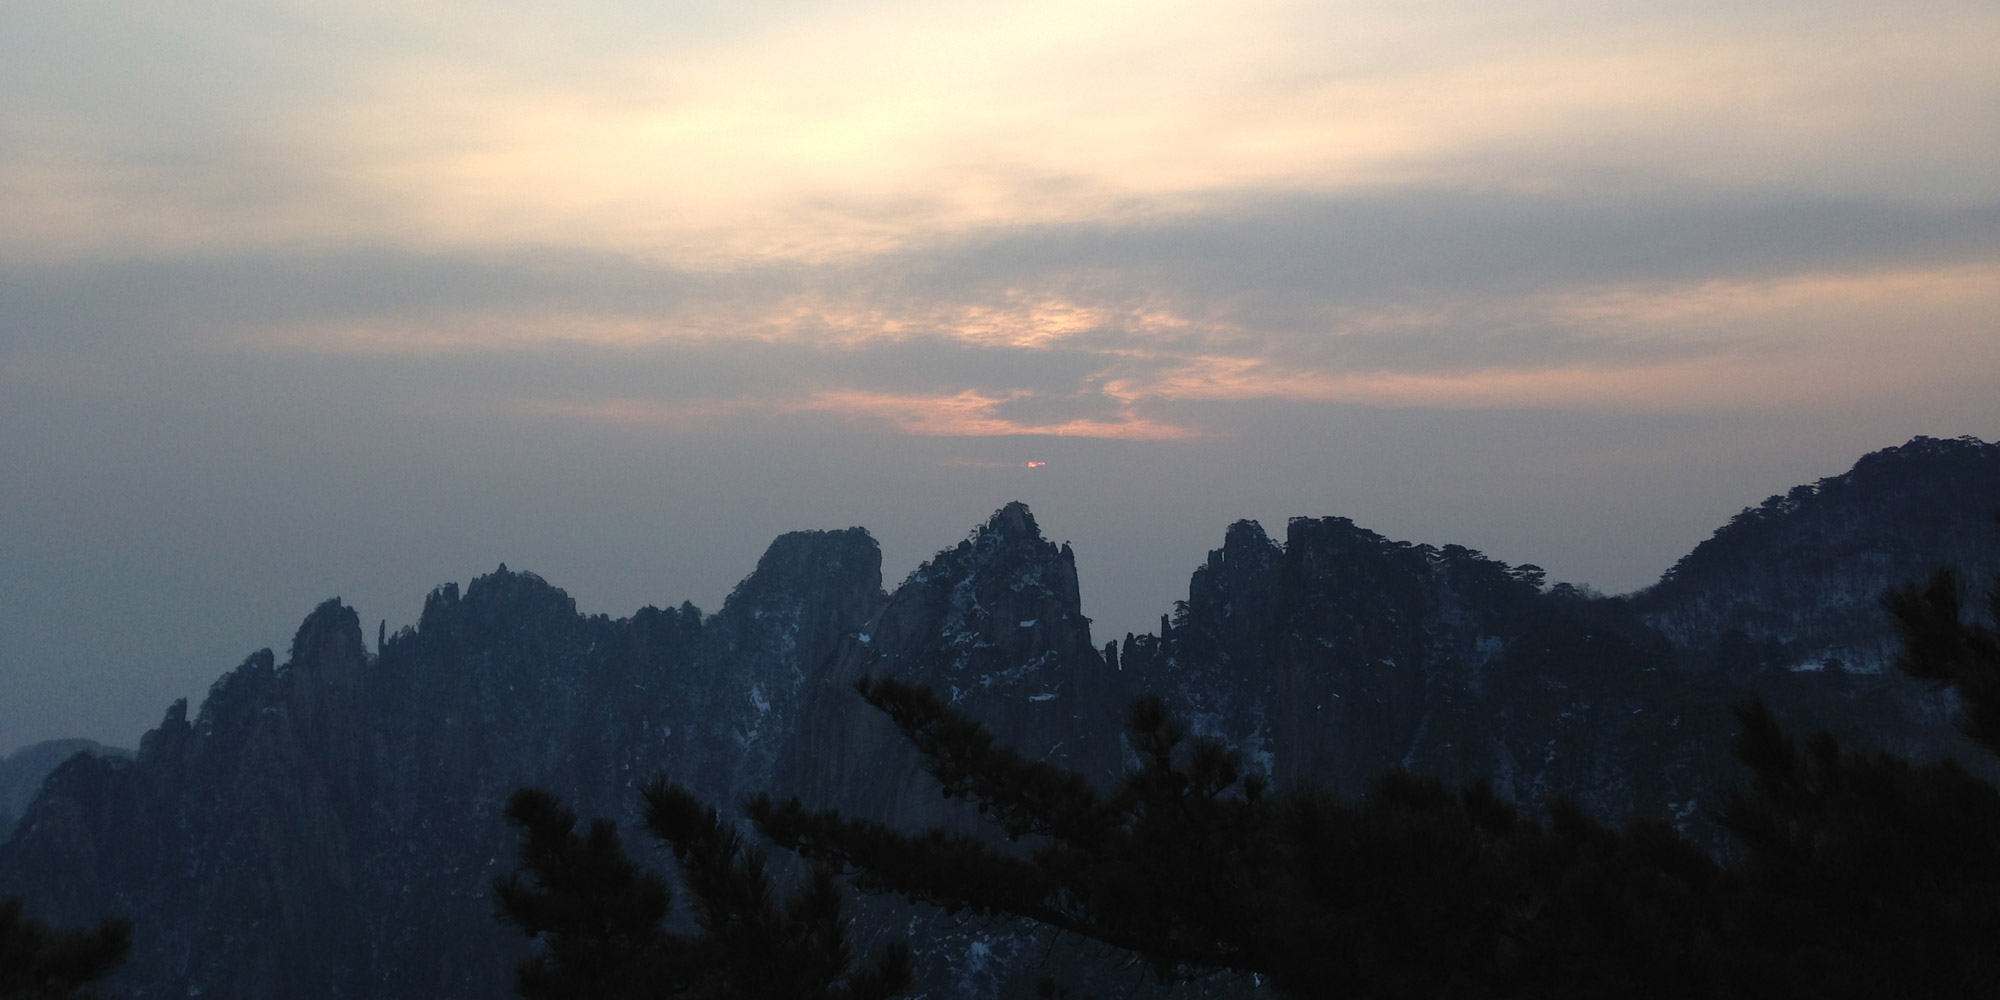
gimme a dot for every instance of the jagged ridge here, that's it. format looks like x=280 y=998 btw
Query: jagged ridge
x=328 y=825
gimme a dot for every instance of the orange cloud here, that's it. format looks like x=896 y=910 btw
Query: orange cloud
x=1660 y=347
x=975 y=414
x=1018 y=319
x=965 y=414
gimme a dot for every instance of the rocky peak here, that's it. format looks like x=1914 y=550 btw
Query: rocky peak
x=778 y=629
x=1246 y=554
x=235 y=698
x=437 y=604
x=828 y=583
x=800 y=555
x=1003 y=593
x=506 y=594
x=1236 y=590
x=1343 y=653
x=509 y=632
x=1013 y=522
x=324 y=685
x=330 y=636
x=168 y=740
x=995 y=625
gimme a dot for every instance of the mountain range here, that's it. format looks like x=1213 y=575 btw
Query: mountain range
x=329 y=823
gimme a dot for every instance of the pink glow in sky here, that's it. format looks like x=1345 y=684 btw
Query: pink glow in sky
x=356 y=297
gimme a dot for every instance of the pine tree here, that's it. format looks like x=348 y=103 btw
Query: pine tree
x=1198 y=869
x=1863 y=874
x=41 y=963
x=1941 y=647
x=1855 y=876
x=1859 y=875
x=600 y=917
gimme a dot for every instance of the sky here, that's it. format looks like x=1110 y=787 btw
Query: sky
x=353 y=298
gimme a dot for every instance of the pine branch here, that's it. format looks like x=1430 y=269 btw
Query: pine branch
x=38 y=961
x=1939 y=646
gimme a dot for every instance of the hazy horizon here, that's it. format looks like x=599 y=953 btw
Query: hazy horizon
x=353 y=299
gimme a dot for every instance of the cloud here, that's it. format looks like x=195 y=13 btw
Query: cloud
x=834 y=132
x=969 y=413
x=1127 y=331
x=975 y=414
x=384 y=285
x=987 y=463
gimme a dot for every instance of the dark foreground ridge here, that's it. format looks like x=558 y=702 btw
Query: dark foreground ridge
x=331 y=824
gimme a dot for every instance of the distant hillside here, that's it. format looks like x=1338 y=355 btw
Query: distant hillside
x=1796 y=582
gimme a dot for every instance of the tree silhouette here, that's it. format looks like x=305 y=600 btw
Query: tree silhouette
x=1865 y=874
x=1416 y=890
x=1941 y=647
x=41 y=963
x=600 y=917
x=1855 y=875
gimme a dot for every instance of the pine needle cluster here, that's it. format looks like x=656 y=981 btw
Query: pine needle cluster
x=38 y=962
x=600 y=919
